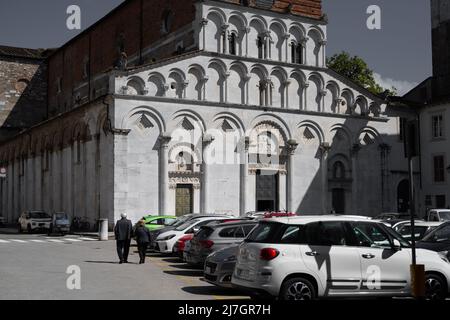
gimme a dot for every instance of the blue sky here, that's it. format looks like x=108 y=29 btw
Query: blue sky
x=399 y=53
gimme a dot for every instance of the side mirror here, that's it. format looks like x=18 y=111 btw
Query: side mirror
x=396 y=245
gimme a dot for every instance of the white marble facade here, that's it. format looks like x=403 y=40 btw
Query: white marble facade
x=256 y=101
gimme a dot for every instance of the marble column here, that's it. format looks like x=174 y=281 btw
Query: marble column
x=325 y=151
x=290 y=150
x=323 y=44
x=247 y=32
x=287 y=37
x=305 y=96
x=355 y=192
x=244 y=175
x=164 y=141
x=204 y=203
x=203 y=24
x=303 y=42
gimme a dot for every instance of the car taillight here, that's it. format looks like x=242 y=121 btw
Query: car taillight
x=268 y=254
x=206 y=243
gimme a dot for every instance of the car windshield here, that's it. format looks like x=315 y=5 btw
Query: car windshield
x=39 y=215
x=406 y=232
x=445 y=215
x=179 y=221
x=61 y=216
x=441 y=234
x=187 y=224
x=263 y=233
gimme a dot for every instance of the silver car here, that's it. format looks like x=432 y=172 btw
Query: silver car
x=219 y=266
x=216 y=236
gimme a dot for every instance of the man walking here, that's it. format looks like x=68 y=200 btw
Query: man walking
x=122 y=231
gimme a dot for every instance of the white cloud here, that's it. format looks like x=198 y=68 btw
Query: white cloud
x=402 y=86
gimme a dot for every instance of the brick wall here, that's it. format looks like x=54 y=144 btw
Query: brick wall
x=23 y=92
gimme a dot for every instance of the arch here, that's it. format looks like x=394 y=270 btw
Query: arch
x=368 y=136
x=331 y=103
x=195 y=81
x=278 y=89
x=344 y=160
x=189 y=114
x=273 y=120
x=217 y=19
x=297 y=90
x=177 y=80
x=257 y=86
x=148 y=111
x=237 y=25
x=361 y=106
x=216 y=82
x=135 y=85
x=348 y=101
x=315 y=90
x=314 y=47
x=231 y=117
x=297 y=31
x=237 y=83
x=313 y=126
x=156 y=84
x=375 y=109
x=341 y=134
x=277 y=32
x=256 y=43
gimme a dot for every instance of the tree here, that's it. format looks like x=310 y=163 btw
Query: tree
x=357 y=70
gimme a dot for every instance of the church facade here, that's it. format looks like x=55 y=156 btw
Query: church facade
x=244 y=117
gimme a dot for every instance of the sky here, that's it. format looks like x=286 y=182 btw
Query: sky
x=399 y=53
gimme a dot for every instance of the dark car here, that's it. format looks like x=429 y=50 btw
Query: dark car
x=437 y=240
x=219 y=266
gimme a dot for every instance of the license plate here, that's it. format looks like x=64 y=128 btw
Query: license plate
x=244 y=274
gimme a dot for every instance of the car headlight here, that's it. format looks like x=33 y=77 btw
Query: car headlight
x=230 y=259
x=444 y=256
x=167 y=237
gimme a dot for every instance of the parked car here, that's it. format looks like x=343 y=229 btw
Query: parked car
x=165 y=241
x=437 y=240
x=60 y=223
x=214 y=237
x=438 y=215
x=178 y=222
x=393 y=216
x=301 y=258
x=219 y=266
x=421 y=228
x=2 y=222
x=158 y=222
x=32 y=221
x=180 y=246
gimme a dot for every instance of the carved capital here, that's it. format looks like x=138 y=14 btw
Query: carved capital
x=164 y=140
x=204 y=22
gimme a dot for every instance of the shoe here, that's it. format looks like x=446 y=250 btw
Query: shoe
x=120 y=262
x=125 y=261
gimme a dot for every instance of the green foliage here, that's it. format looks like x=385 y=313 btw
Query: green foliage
x=357 y=70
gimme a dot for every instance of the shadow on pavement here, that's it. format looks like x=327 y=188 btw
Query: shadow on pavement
x=211 y=290
x=188 y=273
x=103 y=262
x=186 y=266
x=172 y=260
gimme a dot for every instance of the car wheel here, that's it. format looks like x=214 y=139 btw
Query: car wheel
x=436 y=288
x=297 y=289
x=29 y=230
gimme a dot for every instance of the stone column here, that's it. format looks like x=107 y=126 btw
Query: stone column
x=246 y=31
x=226 y=75
x=323 y=44
x=225 y=34
x=204 y=81
x=164 y=141
x=287 y=83
x=203 y=24
x=355 y=192
x=303 y=42
x=267 y=50
x=287 y=37
x=244 y=175
x=305 y=96
x=325 y=150
x=247 y=93
x=204 y=203
x=323 y=94
x=290 y=150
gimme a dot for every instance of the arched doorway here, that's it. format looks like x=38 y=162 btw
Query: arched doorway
x=403 y=196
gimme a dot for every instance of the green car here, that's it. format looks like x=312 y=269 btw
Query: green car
x=158 y=222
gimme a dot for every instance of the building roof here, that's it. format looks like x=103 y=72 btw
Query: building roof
x=23 y=52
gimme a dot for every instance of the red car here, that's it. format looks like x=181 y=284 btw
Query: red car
x=178 y=249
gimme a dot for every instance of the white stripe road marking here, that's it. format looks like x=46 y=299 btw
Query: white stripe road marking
x=88 y=239
x=3 y=241
x=39 y=241
x=55 y=240
x=19 y=241
x=73 y=240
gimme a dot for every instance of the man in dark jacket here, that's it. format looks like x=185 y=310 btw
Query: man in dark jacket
x=122 y=231
x=143 y=238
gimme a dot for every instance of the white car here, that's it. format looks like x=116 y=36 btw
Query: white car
x=34 y=220
x=300 y=258
x=166 y=241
